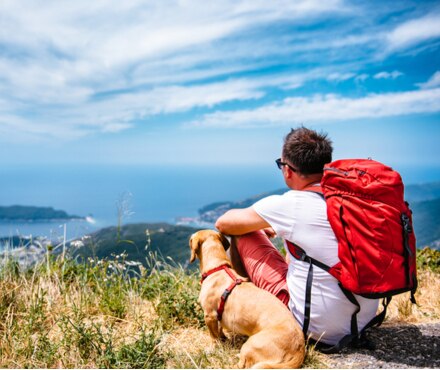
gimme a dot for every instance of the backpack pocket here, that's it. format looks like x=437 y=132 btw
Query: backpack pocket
x=371 y=247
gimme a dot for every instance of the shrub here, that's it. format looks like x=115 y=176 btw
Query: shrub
x=142 y=354
x=176 y=295
x=428 y=258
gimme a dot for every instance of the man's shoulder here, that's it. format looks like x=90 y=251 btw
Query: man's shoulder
x=278 y=201
x=293 y=195
x=293 y=205
x=276 y=197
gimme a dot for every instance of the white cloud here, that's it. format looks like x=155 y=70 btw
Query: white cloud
x=433 y=82
x=337 y=76
x=119 y=112
x=171 y=99
x=141 y=58
x=96 y=38
x=68 y=69
x=327 y=108
x=387 y=75
x=116 y=127
x=414 y=31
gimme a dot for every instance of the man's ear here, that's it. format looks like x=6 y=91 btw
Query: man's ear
x=225 y=241
x=194 y=244
x=289 y=172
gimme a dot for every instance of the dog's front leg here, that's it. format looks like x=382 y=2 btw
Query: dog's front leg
x=213 y=325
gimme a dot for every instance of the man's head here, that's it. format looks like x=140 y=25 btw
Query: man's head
x=307 y=150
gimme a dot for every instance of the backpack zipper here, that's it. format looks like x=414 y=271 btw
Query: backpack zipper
x=333 y=169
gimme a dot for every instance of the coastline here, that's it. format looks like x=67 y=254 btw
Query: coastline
x=51 y=229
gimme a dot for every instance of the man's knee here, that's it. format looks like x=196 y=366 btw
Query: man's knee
x=253 y=234
x=256 y=239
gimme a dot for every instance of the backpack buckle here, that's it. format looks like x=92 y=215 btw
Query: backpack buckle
x=405 y=223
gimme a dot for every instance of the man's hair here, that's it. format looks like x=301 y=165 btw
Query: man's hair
x=307 y=150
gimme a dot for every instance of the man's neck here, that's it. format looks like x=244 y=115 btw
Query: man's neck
x=308 y=180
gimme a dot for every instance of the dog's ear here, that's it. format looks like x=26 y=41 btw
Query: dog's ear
x=225 y=241
x=194 y=244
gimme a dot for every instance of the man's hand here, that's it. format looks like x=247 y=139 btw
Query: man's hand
x=270 y=232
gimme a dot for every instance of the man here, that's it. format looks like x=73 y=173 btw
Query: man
x=300 y=217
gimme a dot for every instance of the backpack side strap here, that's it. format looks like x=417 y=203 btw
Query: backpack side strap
x=377 y=320
x=299 y=254
x=355 y=338
x=360 y=340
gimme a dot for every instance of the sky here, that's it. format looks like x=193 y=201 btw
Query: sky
x=178 y=82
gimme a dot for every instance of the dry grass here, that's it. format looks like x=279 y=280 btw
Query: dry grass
x=194 y=348
x=428 y=301
x=91 y=317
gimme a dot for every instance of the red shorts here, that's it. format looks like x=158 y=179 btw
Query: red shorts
x=264 y=264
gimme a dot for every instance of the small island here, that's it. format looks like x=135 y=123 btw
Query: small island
x=32 y=213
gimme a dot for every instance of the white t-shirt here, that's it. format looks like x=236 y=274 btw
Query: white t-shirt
x=301 y=217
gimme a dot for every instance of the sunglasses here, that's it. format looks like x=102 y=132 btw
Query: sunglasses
x=280 y=165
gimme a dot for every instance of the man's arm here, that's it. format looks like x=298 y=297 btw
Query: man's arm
x=240 y=221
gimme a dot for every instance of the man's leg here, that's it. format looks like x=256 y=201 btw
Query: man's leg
x=254 y=255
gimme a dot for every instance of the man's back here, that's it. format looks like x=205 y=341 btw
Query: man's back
x=301 y=217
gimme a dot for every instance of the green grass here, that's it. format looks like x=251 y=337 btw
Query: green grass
x=428 y=259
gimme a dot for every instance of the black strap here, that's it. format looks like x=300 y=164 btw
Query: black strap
x=328 y=349
x=407 y=253
x=299 y=253
x=413 y=290
x=308 y=299
x=378 y=319
x=350 y=296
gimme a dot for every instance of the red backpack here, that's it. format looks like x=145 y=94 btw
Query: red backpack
x=376 y=242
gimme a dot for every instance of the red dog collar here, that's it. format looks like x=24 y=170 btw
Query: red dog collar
x=228 y=290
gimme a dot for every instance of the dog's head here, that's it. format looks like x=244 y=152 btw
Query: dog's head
x=197 y=239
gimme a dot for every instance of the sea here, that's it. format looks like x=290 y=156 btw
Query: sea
x=111 y=195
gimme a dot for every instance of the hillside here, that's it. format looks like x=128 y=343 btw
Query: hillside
x=165 y=239
x=421 y=192
x=31 y=213
x=211 y=212
x=426 y=219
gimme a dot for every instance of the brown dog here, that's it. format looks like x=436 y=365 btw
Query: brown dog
x=275 y=337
